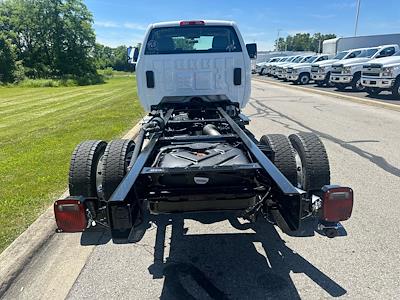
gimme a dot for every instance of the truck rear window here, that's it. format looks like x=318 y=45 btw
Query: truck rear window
x=192 y=39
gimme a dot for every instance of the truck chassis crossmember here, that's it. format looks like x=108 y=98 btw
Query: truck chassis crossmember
x=199 y=157
x=128 y=195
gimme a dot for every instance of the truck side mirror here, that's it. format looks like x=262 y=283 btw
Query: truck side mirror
x=132 y=54
x=252 y=50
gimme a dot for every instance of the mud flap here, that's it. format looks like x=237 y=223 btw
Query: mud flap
x=122 y=217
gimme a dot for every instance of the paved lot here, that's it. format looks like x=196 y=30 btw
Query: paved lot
x=385 y=96
x=212 y=258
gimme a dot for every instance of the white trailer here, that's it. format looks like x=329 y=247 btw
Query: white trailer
x=336 y=45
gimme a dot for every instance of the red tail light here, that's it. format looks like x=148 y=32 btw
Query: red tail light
x=186 y=23
x=70 y=214
x=337 y=203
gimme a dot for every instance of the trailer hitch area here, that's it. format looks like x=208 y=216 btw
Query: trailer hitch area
x=330 y=229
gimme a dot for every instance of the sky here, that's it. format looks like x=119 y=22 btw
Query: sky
x=122 y=22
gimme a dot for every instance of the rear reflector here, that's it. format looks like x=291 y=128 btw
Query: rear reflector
x=186 y=23
x=70 y=214
x=337 y=203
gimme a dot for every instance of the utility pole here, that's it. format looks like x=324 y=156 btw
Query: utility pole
x=277 y=39
x=357 y=14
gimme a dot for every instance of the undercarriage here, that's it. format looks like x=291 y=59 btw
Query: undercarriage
x=199 y=157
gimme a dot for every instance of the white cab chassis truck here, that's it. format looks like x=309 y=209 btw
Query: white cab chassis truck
x=194 y=157
x=348 y=73
x=383 y=74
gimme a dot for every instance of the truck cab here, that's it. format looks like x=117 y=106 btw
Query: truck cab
x=383 y=74
x=301 y=73
x=348 y=73
x=182 y=59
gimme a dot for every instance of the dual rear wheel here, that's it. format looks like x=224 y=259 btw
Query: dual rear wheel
x=97 y=168
x=301 y=158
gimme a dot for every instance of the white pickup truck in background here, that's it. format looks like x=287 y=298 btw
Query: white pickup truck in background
x=279 y=68
x=349 y=73
x=300 y=60
x=301 y=73
x=383 y=74
x=261 y=68
x=279 y=72
x=321 y=72
x=272 y=67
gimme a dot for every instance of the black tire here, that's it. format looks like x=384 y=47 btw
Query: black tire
x=396 y=88
x=116 y=159
x=264 y=72
x=304 y=78
x=356 y=83
x=340 y=86
x=284 y=158
x=327 y=80
x=83 y=167
x=320 y=83
x=372 y=91
x=313 y=167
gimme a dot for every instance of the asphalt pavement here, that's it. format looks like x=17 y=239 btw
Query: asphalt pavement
x=208 y=257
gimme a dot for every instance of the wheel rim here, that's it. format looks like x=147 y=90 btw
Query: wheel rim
x=99 y=178
x=304 y=79
x=359 y=85
x=299 y=169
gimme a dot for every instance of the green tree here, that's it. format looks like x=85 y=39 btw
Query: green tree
x=104 y=56
x=280 y=44
x=317 y=39
x=52 y=37
x=302 y=42
x=116 y=58
x=8 y=64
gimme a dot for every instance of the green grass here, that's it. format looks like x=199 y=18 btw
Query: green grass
x=39 y=128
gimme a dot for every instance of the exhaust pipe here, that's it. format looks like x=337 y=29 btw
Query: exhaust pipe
x=210 y=129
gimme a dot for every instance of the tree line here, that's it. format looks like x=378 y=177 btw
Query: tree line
x=302 y=42
x=52 y=39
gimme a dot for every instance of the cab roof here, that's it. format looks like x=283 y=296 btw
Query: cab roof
x=186 y=22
